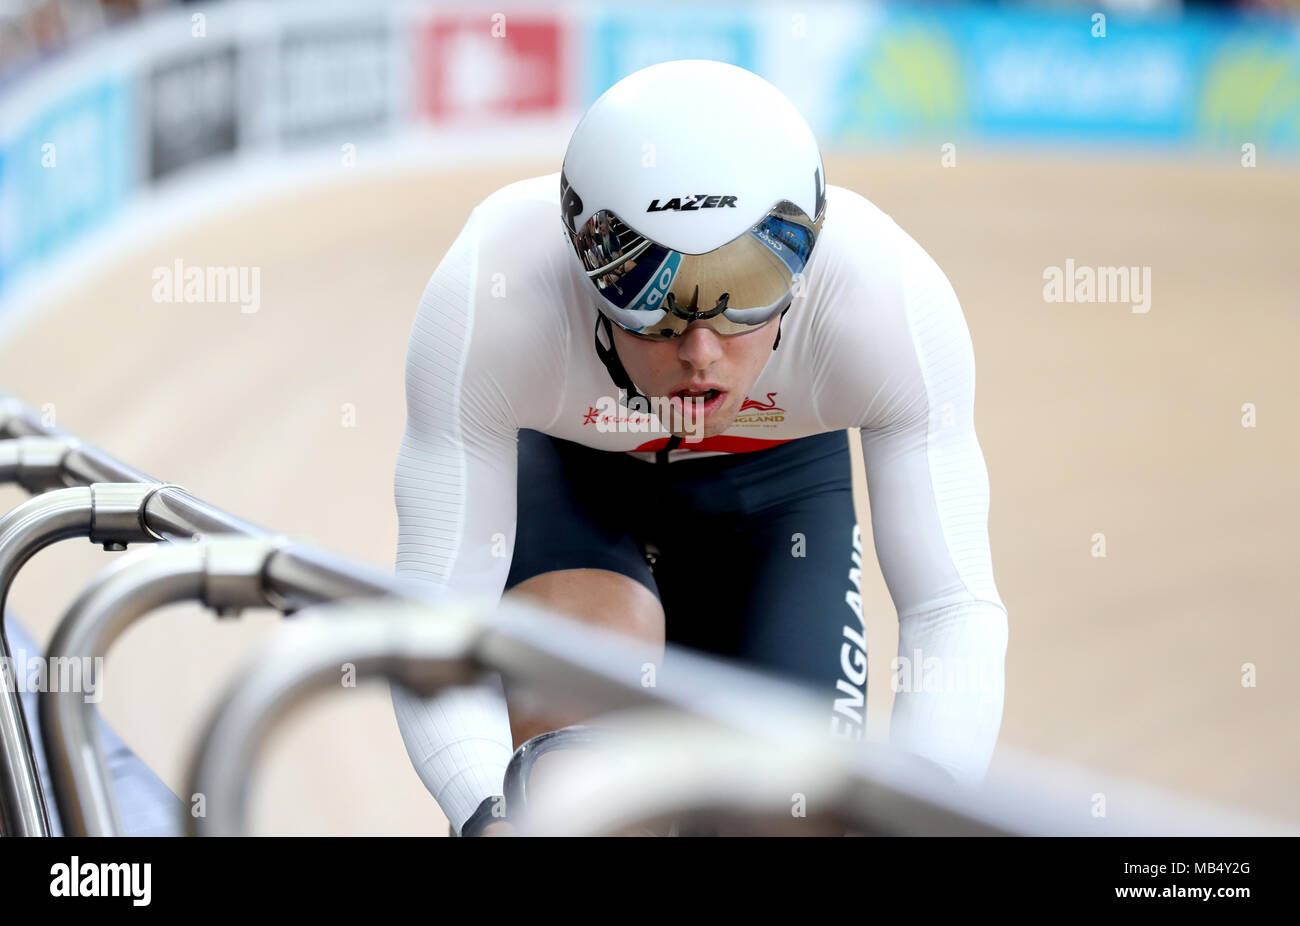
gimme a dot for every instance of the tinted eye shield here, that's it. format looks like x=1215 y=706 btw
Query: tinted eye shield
x=656 y=292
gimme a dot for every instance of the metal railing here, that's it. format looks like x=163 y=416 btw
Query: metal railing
x=709 y=737
x=82 y=491
x=778 y=731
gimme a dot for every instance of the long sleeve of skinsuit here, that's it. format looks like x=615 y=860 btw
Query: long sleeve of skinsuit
x=473 y=368
x=453 y=470
x=907 y=378
x=929 y=495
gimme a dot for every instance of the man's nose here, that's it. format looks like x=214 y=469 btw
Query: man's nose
x=699 y=346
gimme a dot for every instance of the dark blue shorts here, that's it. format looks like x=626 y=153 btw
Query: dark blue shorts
x=753 y=554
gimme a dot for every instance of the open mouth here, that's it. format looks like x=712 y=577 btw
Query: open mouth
x=695 y=402
x=705 y=394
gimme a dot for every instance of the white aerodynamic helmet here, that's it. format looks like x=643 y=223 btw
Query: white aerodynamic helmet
x=692 y=191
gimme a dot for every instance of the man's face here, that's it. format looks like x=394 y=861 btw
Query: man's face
x=700 y=363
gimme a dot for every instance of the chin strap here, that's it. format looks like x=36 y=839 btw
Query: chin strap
x=777 y=342
x=609 y=357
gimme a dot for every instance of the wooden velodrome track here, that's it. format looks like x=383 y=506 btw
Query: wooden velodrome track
x=1093 y=419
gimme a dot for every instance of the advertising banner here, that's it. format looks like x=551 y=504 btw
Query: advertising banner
x=191 y=109
x=334 y=81
x=623 y=39
x=491 y=65
x=66 y=171
x=1071 y=75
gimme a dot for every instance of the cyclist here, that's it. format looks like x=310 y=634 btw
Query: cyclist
x=687 y=477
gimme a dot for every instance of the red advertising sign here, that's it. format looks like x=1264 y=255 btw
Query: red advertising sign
x=489 y=65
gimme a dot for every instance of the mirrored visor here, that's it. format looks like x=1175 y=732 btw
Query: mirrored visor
x=657 y=292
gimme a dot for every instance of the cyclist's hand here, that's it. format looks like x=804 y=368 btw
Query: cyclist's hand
x=489 y=819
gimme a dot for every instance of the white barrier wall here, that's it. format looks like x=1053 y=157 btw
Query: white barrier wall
x=212 y=106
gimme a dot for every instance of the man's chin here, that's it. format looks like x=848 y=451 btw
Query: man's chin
x=712 y=426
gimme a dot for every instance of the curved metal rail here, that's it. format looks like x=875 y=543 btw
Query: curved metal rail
x=44 y=459
x=711 y=738
x=226 y=573
x=399 y=640
x=108 y=514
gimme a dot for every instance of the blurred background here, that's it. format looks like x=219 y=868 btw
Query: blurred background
x=1141 y=458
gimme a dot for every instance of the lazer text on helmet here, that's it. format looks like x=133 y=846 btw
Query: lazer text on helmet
x=693 y=202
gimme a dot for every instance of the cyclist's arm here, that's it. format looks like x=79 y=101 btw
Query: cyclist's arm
x=454 y=487
x=903 y=369
x=929 y=495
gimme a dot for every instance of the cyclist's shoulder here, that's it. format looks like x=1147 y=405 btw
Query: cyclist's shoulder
x=841 y=197
x=852 y=218
x=523 y=199
x=519 y=227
